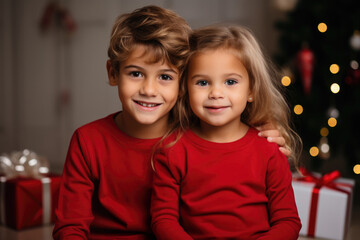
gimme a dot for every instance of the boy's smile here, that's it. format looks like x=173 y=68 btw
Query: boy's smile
x=147 y=91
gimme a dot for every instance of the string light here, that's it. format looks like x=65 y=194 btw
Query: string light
x=332 y=122
x=357 y=169
x=286 y=81
x=324 y=132
x=354 y=64
x=333 y=112
x=298 y=109
x=314 y=151
x=335 y=88
x=322 y=27
x=334 y=68
x=325 y=147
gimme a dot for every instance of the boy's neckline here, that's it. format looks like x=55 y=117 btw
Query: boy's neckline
x=118 y=123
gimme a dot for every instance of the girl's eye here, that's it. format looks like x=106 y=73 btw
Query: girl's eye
x=165 y=77
x=136 y=74
x=230 y=82
x=202 y=83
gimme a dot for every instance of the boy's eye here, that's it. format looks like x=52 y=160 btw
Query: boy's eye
x=136 y=74
x=165 y=77
x=230 y=82
x=202 y=83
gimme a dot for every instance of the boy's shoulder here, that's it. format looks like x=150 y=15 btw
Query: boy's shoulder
x=98 y=125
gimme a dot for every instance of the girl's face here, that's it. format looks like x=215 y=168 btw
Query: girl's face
x=218 y=86
x=147 y=90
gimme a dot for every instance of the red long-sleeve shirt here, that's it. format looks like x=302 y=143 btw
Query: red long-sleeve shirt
x=106 y=185
x=237 y=190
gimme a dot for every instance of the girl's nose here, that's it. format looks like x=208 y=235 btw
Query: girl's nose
x=216 y=92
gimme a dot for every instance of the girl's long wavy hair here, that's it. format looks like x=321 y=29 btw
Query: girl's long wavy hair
x=269 y=104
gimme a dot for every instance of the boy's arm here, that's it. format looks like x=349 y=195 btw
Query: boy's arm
x=73 y=213
x=165 y=201
x=272 y=134
x=283 y=215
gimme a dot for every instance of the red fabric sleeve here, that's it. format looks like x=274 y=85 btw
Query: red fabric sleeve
x=73 y=214
x=284 y=220
x=165 y=199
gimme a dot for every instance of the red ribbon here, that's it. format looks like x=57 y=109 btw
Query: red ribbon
x=328 y=181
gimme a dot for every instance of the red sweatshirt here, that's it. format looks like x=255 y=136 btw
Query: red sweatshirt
x=237 y=190
x=106 y=185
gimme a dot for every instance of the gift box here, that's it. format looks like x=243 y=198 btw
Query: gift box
x=28 y=193
x=28 y=202
x=324 y=204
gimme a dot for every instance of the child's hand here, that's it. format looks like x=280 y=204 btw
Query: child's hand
x=273 y=135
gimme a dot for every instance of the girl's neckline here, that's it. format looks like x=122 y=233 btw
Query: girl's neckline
x=246 y=139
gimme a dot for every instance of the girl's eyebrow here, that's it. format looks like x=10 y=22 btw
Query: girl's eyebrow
x=225 y=75
x=199 y=76
x=232 y=74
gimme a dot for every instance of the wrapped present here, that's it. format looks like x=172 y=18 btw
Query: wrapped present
x=324 y=204
x=28 y=193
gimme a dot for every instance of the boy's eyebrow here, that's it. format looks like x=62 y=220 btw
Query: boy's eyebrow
x=133 y=66
x=141 y=68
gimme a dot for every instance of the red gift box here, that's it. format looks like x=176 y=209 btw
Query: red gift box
x=28 y=202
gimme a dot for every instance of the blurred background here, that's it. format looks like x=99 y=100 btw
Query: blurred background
x=53 y=62
x=53 y=77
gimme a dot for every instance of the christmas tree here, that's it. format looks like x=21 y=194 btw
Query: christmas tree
x=319 y=52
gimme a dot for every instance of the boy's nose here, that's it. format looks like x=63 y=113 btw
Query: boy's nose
x=149 y=87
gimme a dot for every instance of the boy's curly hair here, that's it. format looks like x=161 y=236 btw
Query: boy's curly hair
x=164 y=33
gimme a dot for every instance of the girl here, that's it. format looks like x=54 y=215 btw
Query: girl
x=220 y=180
x=106 y=181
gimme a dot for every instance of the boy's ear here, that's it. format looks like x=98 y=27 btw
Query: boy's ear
x=113 y=79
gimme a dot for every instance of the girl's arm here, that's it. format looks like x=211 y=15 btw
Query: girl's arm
x=73 y=213
x=283 y=215
x=165 y=200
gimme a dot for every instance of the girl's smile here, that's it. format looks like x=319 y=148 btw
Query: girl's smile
x=219 y=88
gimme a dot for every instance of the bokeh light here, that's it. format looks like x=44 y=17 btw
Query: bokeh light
x=332 y=122
x=286 y=81
x=357 y=169
x=334 y=68
x=298 y=109
x=324 y=132
x=322 y=27
x=314 y=151
x=335 y=88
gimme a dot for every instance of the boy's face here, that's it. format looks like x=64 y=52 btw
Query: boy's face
x=218 y=86
x=147 y=91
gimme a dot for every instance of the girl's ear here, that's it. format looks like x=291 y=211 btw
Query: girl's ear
x=113 y=79
x=250 y=98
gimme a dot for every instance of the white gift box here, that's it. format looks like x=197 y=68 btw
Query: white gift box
x=332 y=211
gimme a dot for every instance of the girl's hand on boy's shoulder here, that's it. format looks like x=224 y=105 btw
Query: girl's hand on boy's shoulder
x=272 y=134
